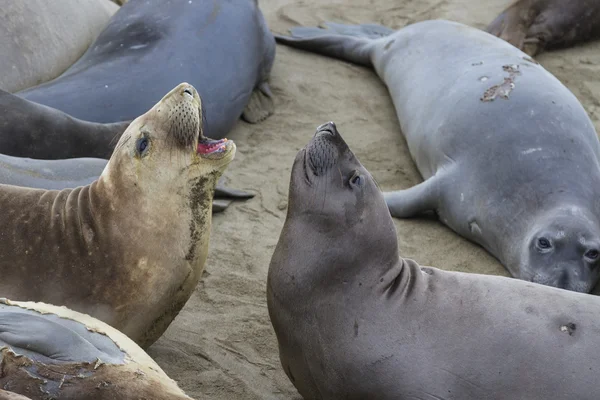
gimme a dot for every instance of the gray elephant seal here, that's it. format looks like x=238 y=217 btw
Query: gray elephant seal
x=50 y=352
x=33 y=130
x=130 y=248
x=223 y=48
x=40 y=39
x=355 y=321
x=497 y=139
x=536 y=25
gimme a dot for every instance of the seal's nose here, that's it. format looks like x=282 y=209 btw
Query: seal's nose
x=328 y=127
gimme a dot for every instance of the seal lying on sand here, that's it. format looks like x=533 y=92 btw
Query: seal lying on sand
x=74 y=172
x=536 y=25
x=223 y=48
x=130 y=248
x=355 y=321
x=49 y=352
x=4 y=395
x=40 y=39
x=28 y=129
x=509 y=156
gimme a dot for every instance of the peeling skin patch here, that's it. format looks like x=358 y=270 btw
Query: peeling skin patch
x=568 y=328
x=503 y=90
x=477 y=63
x=531 y=60
x=389 y=44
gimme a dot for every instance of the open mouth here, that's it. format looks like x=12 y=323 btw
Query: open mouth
x=208 y=146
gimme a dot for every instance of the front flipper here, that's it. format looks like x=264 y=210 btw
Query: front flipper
x=418 y=199
x=224 y=195
x=260 y=106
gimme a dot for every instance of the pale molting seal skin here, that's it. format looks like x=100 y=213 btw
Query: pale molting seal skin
x=355 y=321
x=50 y=352
x=129 y=248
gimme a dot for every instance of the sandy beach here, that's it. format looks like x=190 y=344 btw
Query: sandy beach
x=222 y=346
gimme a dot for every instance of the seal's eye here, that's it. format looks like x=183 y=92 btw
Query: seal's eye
x=356 y=179
x=142 y=145
x=592 y=255
x=543 y=243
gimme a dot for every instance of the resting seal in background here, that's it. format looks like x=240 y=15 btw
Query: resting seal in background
x=536 y=25
x=509 y=156
x=40 y=39
x=355 y=321
x=223 y=48
x=50 y=352
x=130 y=248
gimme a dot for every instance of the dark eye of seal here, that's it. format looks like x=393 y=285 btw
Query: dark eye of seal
x=141 y=145
x=356 y=179
x=543 y=244
x=592 y=255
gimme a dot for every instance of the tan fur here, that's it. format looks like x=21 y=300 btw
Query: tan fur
x=130 y=248
x=140 y=377
x=4 y=395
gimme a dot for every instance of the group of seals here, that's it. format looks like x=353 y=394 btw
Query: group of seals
x=157 y=52
x=510 y=158
x=50 y=352
x=129 y=248
x=40 y=39
x=536 y=25
x=355 y=321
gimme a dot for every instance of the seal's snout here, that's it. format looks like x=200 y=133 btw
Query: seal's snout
x=327 y=128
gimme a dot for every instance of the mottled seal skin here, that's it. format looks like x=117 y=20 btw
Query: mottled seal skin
x=40 y=39
x=130 y=248
x=32 y=130
x=222 y=47
x=354 y=320
x=5 y=395
x=536 y=25
x=497 y=138
x=50 y=352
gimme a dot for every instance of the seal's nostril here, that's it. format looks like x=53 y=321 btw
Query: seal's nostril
x=188 y=91
x=328 y=127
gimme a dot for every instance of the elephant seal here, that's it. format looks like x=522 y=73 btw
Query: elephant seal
x=223 y=48
x=40 y=39
x=28 y=129
x=65 y=152
x=50 y=352
x=497 y=138
x=354 y=320
x=129 y=248
x=536 y=25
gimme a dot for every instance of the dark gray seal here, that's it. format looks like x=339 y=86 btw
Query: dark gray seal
x=50 y=352
x=222 y=47
x=536 y=25
x=355 y=321
x=509 y=156
x=33 y=130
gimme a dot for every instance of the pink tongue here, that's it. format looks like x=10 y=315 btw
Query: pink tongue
x=209 y=147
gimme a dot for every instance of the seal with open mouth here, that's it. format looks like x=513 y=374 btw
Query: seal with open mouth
x=129 y=248
x=50 y=352
x=354 y=320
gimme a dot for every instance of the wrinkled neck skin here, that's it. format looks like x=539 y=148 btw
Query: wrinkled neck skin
x=109 y=249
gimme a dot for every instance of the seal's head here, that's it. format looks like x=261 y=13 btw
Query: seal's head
x=336 y=208
x=563 y=250
x=166 y=144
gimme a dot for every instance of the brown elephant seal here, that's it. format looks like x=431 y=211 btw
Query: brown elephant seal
x=129 y=248
x=354 y=320
x=536 y=25
x=50 y=352
x=39 y=39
